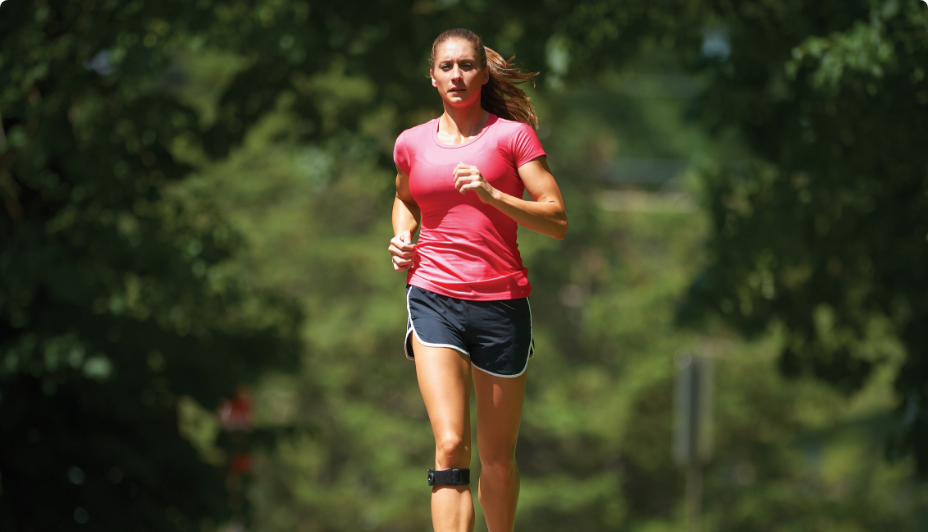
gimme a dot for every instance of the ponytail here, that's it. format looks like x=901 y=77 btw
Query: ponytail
x=501 y=94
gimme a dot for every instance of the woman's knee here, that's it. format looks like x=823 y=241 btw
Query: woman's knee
x=502 y=464
x=452 y=452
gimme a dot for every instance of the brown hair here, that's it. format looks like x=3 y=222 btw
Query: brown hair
x=500 y=95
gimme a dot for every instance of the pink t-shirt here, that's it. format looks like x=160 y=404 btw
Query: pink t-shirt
x=467 y=249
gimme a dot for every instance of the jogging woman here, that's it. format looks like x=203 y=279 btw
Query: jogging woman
x=460 y=181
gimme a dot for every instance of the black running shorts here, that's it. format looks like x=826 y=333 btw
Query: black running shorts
x=496 y=335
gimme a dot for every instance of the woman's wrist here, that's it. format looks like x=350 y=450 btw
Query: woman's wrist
x=495 y=196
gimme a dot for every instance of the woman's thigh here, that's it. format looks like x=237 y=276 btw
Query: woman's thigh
x=445 y=382
x=499 y=413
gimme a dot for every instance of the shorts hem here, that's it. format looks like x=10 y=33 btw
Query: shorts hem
x=488 y=372
x=429 y=344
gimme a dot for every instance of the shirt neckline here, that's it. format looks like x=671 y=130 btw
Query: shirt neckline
x=490 y=121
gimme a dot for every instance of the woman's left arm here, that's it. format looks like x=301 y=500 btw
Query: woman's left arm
x=545 y=214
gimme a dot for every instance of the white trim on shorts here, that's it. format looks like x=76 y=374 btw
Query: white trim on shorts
x=531 y=349
x=531 y=328
x=519 y=374
x=412 y=329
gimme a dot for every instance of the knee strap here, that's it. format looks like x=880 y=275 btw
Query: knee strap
x=449 y=477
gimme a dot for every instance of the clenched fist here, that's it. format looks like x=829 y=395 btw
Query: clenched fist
x=402 y=251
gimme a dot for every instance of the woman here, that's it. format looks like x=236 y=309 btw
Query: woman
x=462 y=176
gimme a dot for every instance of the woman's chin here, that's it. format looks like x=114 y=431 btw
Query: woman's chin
x=458 y=100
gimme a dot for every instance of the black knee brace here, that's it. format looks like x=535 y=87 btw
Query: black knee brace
x=449 y=477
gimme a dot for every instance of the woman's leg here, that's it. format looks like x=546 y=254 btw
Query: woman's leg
x=499 y=412
x=445 y=382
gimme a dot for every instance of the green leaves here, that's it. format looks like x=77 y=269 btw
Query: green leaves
x=132 y=297
x=102 y=271
x=837 y=201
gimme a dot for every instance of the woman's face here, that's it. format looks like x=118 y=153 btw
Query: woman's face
x=456 y=72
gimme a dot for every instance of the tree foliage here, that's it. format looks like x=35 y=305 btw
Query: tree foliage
x=824 y=232
x=167 y=168
x=115 y=295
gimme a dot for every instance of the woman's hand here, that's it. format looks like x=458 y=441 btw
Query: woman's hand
x=545 y=214
x=467 y=177
x=402 y=250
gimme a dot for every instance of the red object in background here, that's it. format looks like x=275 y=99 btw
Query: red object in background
x=241 y=463
x=236 y=414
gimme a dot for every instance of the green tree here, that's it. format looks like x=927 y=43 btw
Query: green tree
x=824 y=231
x=115 y=293
x=133 y=132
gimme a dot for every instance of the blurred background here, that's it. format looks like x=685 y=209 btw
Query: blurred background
x=200 y=328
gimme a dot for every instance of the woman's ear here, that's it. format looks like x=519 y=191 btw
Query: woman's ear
x=434 y=83
x=486 y=76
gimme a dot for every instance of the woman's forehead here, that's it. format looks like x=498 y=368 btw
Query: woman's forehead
x=455 y=49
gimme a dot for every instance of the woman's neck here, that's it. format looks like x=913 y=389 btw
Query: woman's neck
x=458 y=125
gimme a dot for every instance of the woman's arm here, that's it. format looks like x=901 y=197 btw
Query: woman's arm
x=545 y=214
x=406 y=217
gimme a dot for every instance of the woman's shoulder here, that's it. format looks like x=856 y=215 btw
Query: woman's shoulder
x=506 y=126
x=512 y=133
x=518 y=139
x=416 y=132
x=409 y=142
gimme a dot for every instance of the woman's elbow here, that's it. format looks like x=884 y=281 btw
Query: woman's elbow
x=560 y=230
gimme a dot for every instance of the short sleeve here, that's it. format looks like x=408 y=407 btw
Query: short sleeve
x=525 y=145
x=401 y=154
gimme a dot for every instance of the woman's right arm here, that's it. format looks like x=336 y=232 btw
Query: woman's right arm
x=406 y=218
